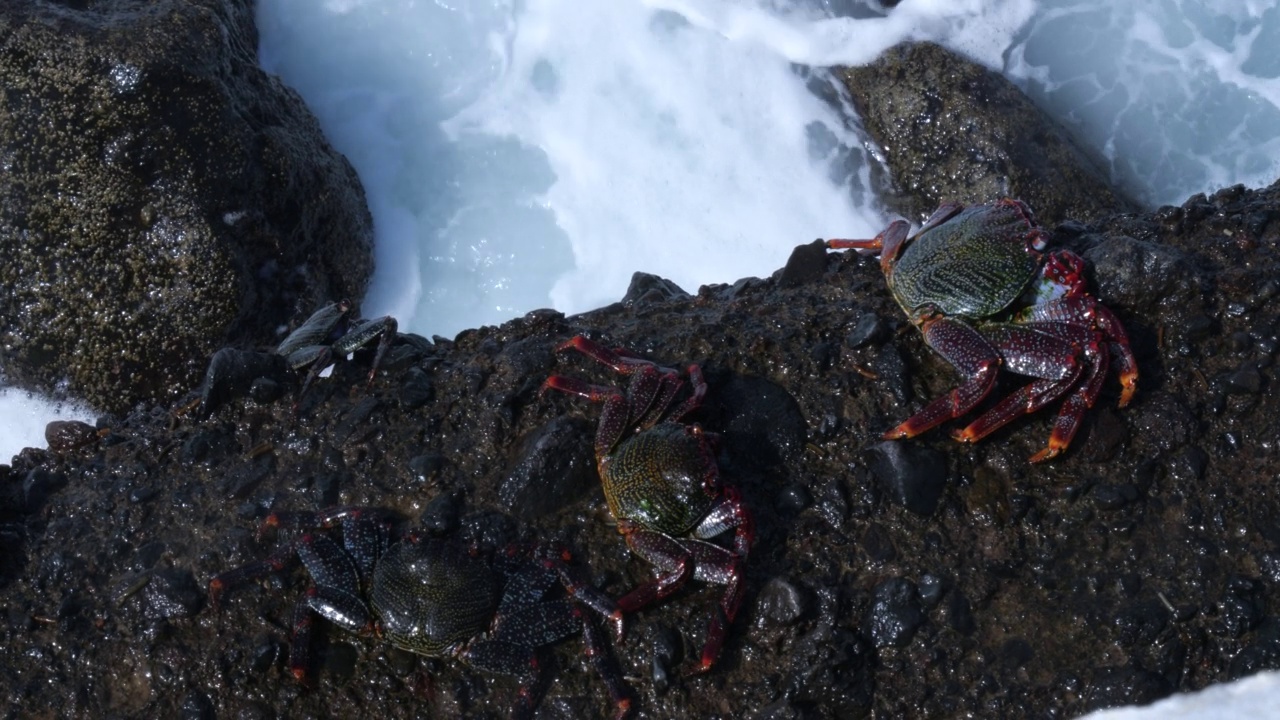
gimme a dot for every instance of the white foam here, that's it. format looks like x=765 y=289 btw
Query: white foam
x=1253 y=697
x=674 y=149
x=25 y=417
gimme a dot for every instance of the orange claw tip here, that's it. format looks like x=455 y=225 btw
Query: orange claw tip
x=1052 y=451
x=1130 y=386
x=896 y=434
x=299 y=674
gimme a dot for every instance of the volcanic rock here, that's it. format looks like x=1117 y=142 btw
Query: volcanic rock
x=162 y=197
x=952 y=130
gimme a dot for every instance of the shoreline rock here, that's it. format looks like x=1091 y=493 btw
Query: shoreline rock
x=1143 y=562
x=952 y=130
x=162 y=197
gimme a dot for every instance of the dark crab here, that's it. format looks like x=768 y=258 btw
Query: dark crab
x=431 y=597
x=328 y=334
x=663 y=486
x=978 y=285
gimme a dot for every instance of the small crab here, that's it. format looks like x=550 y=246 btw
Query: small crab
x=330 y=332
x=429 y=596
x=663 y=486
x=978 y=285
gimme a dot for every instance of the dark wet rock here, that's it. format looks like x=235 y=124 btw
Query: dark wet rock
x=807 y=263
x=794 y=498
x=1015 y=653
x=172 y=593
x=930 y=589
x=829 y=670
x=1188 y=464
x=1240 y=609
x=64 y=435
x=831 y=503
x=781 y=602
x=233 y=372
x=555 y=468
x=355 y=420
x=868 y=329
x=1129 y=272
x=895 y=613
x=197 y=706
x=891 y=373
x=763 y=425
x=426 y=467
x=952 y=130
x=646 y=288
x=877 y=543
x=1114 y=497
x=1247 y=380
x=442 y=513
x=198 y=203
x=913 y=475
x=958 y=614
x=38 y=485
x=1126 y=685
x=666 y=651
x=417 y=390
x=265 y=390
x=1262 y=654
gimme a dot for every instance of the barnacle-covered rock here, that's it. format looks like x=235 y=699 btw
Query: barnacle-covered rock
x=162 y=196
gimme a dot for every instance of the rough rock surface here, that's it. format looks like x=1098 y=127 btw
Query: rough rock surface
x=952 y=130
x=1144 y=561
x=161 y=196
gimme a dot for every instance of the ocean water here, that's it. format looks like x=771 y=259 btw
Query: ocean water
x=520 y=154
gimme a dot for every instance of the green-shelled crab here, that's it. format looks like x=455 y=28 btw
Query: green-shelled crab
x=978 y=284
x=663 y=485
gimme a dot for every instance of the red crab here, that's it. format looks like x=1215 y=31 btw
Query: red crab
x=978 y=285
x=663 y=486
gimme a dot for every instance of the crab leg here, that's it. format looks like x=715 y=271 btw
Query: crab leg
x=888 y=244
x=672 y=560
x=360 y=335
x=615 y=418
x=651 y=391
x=523 y=624
x=1056 y=361
x=723 y=567
x=968 y=352
x=1086 y=311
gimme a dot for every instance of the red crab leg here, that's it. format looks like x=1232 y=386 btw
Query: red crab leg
x=720 y=566
x=615 y=418
x=654 y=386
x=622 y=364
x=1066 y=269
x=1086 y=311
x=671 y=559
x=968 y=352
x=694 y=401
x=1073 y=410
x=1052 y=355
x=223 y=582
x=889 y=242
